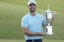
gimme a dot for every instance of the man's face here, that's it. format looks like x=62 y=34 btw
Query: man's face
x=32 y=7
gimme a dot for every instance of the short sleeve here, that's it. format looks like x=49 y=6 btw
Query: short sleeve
x=24 y=22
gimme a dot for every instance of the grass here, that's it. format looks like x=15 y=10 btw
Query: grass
x=24 y=40
x=12 y=11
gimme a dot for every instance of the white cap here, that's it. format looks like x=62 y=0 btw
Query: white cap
x=31 y=1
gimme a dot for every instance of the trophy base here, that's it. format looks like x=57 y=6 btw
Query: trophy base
x=49 y=30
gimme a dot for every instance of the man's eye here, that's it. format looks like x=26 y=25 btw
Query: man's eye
x=34 y=4
x=30 y=5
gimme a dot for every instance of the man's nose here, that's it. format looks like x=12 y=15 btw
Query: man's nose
x=32 y=5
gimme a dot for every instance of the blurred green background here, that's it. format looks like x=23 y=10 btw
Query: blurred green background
x=12 y=11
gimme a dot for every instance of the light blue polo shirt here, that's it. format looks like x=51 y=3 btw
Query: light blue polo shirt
x=34 y=24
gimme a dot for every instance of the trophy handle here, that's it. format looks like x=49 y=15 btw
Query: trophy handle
x=54 y=14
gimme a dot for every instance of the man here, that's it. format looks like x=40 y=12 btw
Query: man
x=32 y=24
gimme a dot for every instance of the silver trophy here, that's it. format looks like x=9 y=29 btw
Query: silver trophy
x=49 y=18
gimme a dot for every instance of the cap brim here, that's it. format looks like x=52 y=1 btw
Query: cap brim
x=31 y=3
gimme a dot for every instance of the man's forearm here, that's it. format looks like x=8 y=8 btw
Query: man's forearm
x=29 y=33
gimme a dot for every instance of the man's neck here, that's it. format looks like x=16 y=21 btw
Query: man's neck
x=33 y=13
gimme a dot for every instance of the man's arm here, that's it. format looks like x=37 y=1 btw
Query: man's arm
x=44 y=25
x=30 y=33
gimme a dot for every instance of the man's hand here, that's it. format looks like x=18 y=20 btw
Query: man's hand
x=54 y=15
x=43 y=34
